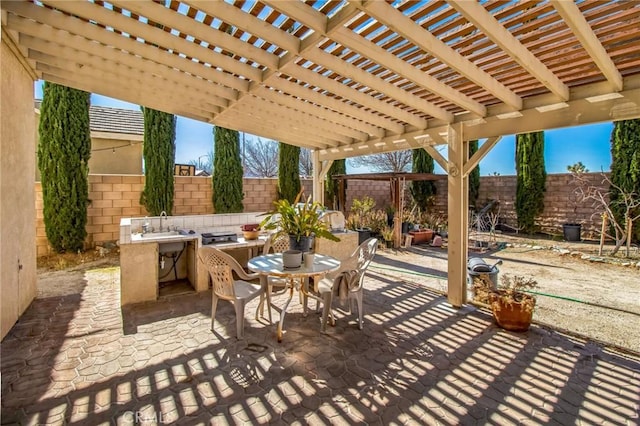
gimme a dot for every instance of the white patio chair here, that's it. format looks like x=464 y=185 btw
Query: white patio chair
x=351 y=274
x=275 y=245
x=239 y=292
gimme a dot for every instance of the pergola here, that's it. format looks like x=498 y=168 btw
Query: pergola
x=348 y=78
x=396 y=183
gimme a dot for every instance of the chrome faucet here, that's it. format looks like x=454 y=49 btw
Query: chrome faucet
x=163 y=213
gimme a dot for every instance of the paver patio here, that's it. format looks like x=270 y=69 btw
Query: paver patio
x=76 y=359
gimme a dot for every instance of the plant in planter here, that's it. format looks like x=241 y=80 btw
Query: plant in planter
x=408 y=219
x=572 y=230
x=511 y=305
x=360 y=210
x=387 y=235
x=376 y=220
x=301 y=221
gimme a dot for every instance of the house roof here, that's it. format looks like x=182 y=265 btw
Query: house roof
x=346 y=78
x=113 y=120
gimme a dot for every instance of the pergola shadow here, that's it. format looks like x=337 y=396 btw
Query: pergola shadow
x=417 y=361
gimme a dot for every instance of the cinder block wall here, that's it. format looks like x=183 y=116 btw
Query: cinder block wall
x=560 y=200
x=116 y=196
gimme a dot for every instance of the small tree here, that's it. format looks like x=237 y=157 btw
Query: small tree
x=63 y=155
x=474 y=176
x=261 y=158
x=227 y=172
x=332 y=188
x=627 y=202
x=422 y=190
x=531 y=178
x=625 y=166
x=159 y=157
x=288 y=172
x=397 y=161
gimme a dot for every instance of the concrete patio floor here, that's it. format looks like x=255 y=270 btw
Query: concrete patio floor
x=76 y=359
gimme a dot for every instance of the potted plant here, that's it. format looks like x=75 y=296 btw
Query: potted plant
x=387 y=235
x=511 y=305
x=359 y=216
x=301 y=221
x=571 y=231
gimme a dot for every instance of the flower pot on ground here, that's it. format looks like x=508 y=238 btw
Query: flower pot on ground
x=300 y=221
x=511 y=305
x=571 y=231
x=422 y=236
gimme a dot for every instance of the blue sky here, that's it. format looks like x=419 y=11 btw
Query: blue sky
x=589 y=144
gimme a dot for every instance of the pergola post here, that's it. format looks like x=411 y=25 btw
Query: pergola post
x=458 y=207
x=320 y=170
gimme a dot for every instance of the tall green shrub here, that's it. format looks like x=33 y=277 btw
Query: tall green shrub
x=422 y=191
x=332 y=187
x=227 y=172
x=288 y=172
x=531 y=178
x=625 y=165
x=159 y=156
x=474 y=176
x=63 y=155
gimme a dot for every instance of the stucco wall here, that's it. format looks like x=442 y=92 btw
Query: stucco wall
x=17 y=168
x=126 y=159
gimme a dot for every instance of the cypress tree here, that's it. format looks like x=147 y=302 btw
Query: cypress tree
x=63 y=155
x=422 y=190
x=159 y=155
x=227 y=172
x=474 y=176
x=625 y=164
x=531 y=178
x=288 y=172
x=332 y=187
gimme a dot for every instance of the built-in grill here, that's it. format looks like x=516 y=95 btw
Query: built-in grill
x=218 y=237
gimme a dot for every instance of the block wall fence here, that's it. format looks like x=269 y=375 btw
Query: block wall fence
x=116 y=196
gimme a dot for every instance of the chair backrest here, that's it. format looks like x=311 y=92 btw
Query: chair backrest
x=364 y=254
x=276 y=245
x=220 y=266
x=359 y=261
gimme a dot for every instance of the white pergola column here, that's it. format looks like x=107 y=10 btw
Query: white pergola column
x=320 y=169
x=458 y=208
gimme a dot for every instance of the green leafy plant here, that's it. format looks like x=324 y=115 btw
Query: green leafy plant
x=288 y=171
x=63 y=155
x=159 y=152
x=227 y=172
x=387 y=233
x=360 y=209
x=422 y=191
x=512 y=290
x=297 y=219
x=531 y=178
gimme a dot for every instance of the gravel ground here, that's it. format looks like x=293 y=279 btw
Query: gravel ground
x=598 y=300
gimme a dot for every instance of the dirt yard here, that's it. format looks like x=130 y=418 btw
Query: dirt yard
x=590 y=297
x=594 y=299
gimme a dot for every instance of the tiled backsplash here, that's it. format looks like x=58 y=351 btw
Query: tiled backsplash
x=200 y=223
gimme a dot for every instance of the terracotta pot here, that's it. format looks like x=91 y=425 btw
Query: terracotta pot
x=511 y=316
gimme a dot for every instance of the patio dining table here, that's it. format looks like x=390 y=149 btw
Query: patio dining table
x=272 y=265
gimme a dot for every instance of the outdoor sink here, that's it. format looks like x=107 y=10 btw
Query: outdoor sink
x=170 y=247
x=160 y=234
